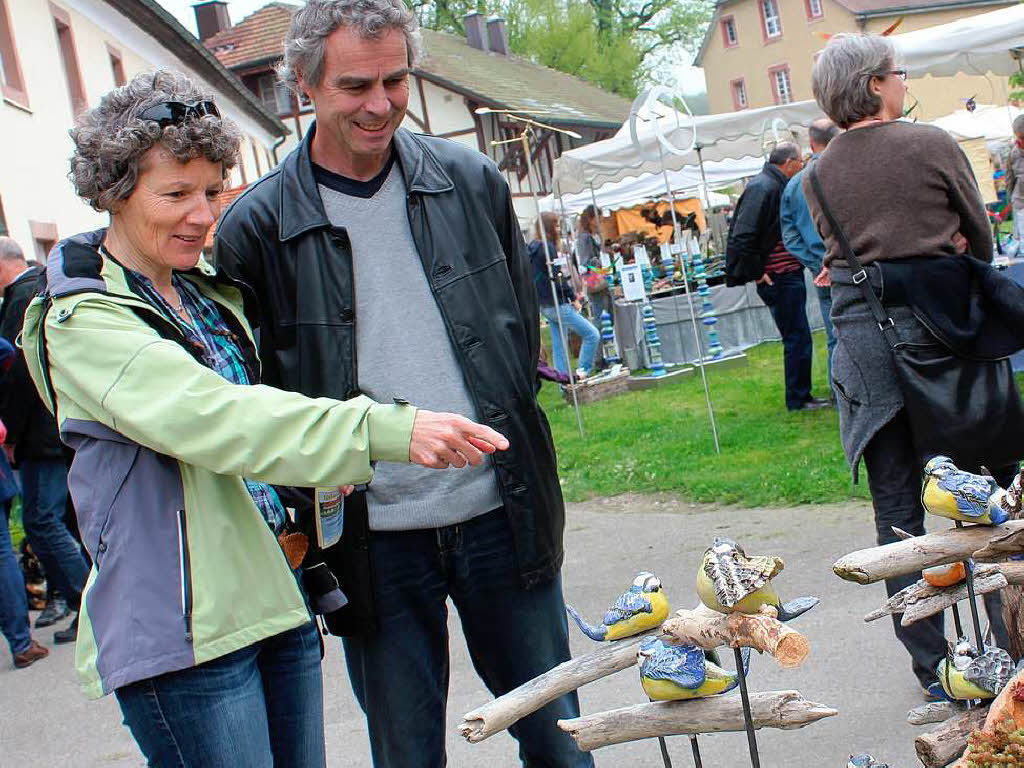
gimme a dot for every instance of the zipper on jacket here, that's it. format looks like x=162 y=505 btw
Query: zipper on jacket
x=186 y=575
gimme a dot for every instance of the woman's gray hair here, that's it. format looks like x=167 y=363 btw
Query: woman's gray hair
x=841 y=79
x=318 y=19
x=1018 y=125
x=110 y=139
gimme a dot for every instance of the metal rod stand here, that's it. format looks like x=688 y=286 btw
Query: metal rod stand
x=957 y=624
x=748 y=719
x=695 y=747
x=972 y=600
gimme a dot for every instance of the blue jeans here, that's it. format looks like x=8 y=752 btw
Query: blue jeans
x=400 y=674
x=576 y=323
x=825 y=302
x=44 y=504
x=258 y=707
x=787 y=300
x=13 y=605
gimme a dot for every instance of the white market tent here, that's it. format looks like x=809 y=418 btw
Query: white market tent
x=976 y=45
x=989 y=122
x=686 y=182
x=668 y=142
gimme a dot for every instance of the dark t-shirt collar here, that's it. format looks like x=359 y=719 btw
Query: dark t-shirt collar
x=353 y=187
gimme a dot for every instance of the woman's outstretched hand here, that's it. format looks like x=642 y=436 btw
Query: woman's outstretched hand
x=443 y=440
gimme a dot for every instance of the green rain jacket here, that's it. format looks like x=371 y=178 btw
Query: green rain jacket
x=185 y=569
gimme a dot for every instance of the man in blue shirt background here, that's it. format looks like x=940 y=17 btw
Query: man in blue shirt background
x=801 y=237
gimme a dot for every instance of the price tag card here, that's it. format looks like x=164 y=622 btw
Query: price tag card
x=632 y=283
x=677 y=248
x=666 y=251
x=606 y=261
x=640 y=254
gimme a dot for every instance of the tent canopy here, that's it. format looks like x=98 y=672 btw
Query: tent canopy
x=974 y=45
x=684 y=182
x=987 y=122
x=670 y=140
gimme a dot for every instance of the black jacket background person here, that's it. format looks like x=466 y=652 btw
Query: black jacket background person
x=755 y=228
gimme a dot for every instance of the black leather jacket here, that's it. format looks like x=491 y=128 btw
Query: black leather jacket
x=755 y=229
x=277 y=239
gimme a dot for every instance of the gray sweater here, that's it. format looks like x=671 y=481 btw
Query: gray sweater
x=403 y=350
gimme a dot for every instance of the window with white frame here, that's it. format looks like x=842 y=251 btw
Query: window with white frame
x=772 y=22
x=729 y=32
x=739 y=94
x=814 y=9
x=274 y=96
x=782 y=87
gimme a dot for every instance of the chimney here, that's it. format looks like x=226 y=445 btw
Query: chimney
x=476 y=31
x=211 y=17
x=497 y=35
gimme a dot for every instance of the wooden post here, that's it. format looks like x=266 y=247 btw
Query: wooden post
x=947 y=742
x=777 y=709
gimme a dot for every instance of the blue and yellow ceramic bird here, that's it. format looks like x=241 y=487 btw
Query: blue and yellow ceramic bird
x=965 y=675
x=730 y=582
x=675 y=672
x=958 y=495
x=643 y=607
x=864 y=761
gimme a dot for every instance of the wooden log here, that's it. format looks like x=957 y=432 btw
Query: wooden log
x=762 y=632
x=777 y=709
x=947 y=742
x=867 y=566
x=934 y=712
x=921 y=599
x=497 y=715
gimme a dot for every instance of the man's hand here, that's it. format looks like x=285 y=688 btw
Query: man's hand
x=346 y=490
x=960 y=243
x=765 y=279
x=823 y=279
x=443 y=440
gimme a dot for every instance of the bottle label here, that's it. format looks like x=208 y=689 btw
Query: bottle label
x=330 y=516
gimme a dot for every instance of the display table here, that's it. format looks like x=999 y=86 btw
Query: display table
x=743 y=321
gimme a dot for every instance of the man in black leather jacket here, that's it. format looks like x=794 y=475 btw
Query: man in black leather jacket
x=403 y=253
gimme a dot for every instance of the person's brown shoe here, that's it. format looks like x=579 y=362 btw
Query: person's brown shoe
x=30 y=655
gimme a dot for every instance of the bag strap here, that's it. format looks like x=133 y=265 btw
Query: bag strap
x=860 y=275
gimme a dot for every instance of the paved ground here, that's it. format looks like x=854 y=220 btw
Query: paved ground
x=855 y=667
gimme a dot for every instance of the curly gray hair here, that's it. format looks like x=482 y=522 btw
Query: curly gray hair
x=314 y=22
x=110 y=140
x=841 y=79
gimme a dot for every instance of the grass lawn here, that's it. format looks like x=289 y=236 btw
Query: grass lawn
x=660 y=440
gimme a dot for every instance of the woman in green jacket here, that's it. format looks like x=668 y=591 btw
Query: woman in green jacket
x=192 y=615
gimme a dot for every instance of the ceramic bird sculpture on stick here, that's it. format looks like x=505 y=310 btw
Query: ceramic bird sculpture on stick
x=958 y=495
x=676 y=672
x=730 y=582
x=965 y=675
x=865 y=761
x=643 y=607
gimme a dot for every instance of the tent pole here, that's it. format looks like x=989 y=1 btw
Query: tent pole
x=530 y=173
x=689 y=300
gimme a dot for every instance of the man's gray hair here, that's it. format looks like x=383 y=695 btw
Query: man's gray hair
x=822 y=131
x=318 y=19
x=783 y=151
x=10 y=250
x=111 y=139
x=841 y=79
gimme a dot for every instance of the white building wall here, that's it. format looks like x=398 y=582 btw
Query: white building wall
x=34 y=161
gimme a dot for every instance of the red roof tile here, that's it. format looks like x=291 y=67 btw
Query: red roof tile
x=257 y=37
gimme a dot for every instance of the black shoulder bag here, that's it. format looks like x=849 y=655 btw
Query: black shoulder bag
x=964 y=408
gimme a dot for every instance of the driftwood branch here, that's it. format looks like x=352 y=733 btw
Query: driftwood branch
x=867 y=566
x=762 y=632
x=921 y=599
x=934 y=712
x=947 y=742
x=778 y=709
x=497 y=715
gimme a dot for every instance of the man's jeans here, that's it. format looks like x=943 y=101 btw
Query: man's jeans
x=13 y=604
x=576 y=323
x=44 y=498
x=825 y=302
x=894 y=477
x=400 y=674
x=787 y=300
x=258 y=707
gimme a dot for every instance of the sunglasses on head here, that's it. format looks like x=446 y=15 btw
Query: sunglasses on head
x=176 y=112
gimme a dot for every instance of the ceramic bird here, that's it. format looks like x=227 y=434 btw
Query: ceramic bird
x=730 y=582
x=945 y=575
x=958 y=495
x=674 y=672
x=966 y=675
x=644 y=606
x=864 y=761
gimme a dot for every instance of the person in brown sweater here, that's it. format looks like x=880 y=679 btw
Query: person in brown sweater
x=899 y=191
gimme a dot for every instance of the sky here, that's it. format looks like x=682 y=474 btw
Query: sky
x=691 y=79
